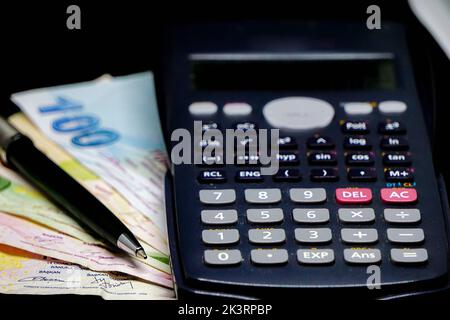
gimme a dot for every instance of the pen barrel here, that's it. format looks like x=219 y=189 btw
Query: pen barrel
x=64 y=190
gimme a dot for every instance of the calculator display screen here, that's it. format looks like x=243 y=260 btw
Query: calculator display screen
x=293 y=74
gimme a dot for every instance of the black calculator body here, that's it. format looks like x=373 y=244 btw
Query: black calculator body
x=356 y=194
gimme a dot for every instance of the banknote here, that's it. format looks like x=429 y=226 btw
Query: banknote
x=26 y=235
x=24 y=201
x=22 y=272
x=112 y=128
x=139 y=224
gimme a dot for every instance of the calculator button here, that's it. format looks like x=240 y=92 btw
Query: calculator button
x=249 y=176
x=219 y=216
x=244 y=126
x=398 y=195
x=353 y=195
x=321 y=215
x=218 y=237
x=362 y=174
x=245 y=141
x=356 y=215
x=399 y=174
x=237 y=109
x=415 y=235
x=359 y=235
x=288 y=175
x=391 y=127
x=273 y=215
x=211 y=176
x=209 y=126
x=247 y=159
x=322 y=158
x=209 y=143
x=315 y=256
x=357 y=142
x=392 y=107
x=262 y=195
x=287 y=142
x=287 y=158
x=266 y=236
x=355 y=127
x=213 y=160
x=269 y=256
x=312 y=195
x=222 y=257
x=217 y=196
x=409 y=255
x=394 y=143
x=402 y=215
x=317 y=235
x=362 y=256
x=397 y=158
x=357 y=108
x=324 y=174
x=203 y=108
x=320 y=142
x=360 y=158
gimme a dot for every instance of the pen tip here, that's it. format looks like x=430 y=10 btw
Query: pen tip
x=141 y=253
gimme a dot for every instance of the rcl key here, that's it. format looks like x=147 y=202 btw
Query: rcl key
x=210 y=176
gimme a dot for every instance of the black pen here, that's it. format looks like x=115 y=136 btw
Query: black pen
x=18 y=152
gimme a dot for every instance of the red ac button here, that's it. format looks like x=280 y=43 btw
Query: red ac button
x=398 y=195
x=353 y=195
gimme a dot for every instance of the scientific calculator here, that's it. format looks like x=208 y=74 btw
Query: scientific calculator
x=355 y=205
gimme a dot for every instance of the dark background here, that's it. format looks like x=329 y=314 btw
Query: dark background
x=37 y=50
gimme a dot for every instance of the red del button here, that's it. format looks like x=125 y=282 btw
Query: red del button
x=398 y=195
x=353 y=195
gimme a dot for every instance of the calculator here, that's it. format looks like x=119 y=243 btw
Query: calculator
x=356 y=196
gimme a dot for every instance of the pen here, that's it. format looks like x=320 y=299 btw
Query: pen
x=19 y=152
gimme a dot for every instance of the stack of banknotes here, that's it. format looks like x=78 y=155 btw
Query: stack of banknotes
x=106 y=134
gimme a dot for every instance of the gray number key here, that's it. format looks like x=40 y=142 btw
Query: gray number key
x=311 y=215
x=362 y=256
x=217 y=196
x=402 y=215
x=225 y=236
x=359 y=235
x=315 y=256
x=409 y=255
x=222 y=257
x=263 y=195
x=219 y=216
x=266 y=236
x=318 y=235
x=313 y=195
x=265 y=215
x=356 y=215
x=269 y=256
x=405 y=235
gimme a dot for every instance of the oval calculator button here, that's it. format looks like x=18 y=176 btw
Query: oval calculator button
x=315 y=256
x=359 y=235
x=298 y=113
x=402 y=215
x=399 y=195
x=218 y=237
x=362 y=256
x=357 y=108
x=319 y=215
x=409 y=255
x=222 y=257
x=353 y=195
x=392 y=107
x=312 y=195
x=272 y=215
x=219 y=216
x=237 y=109
x=317 y=235
x=262 y=195
x=414 y=235
x=269 y=256
x=203 y=108
x=217 y=196
x=266 y=236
